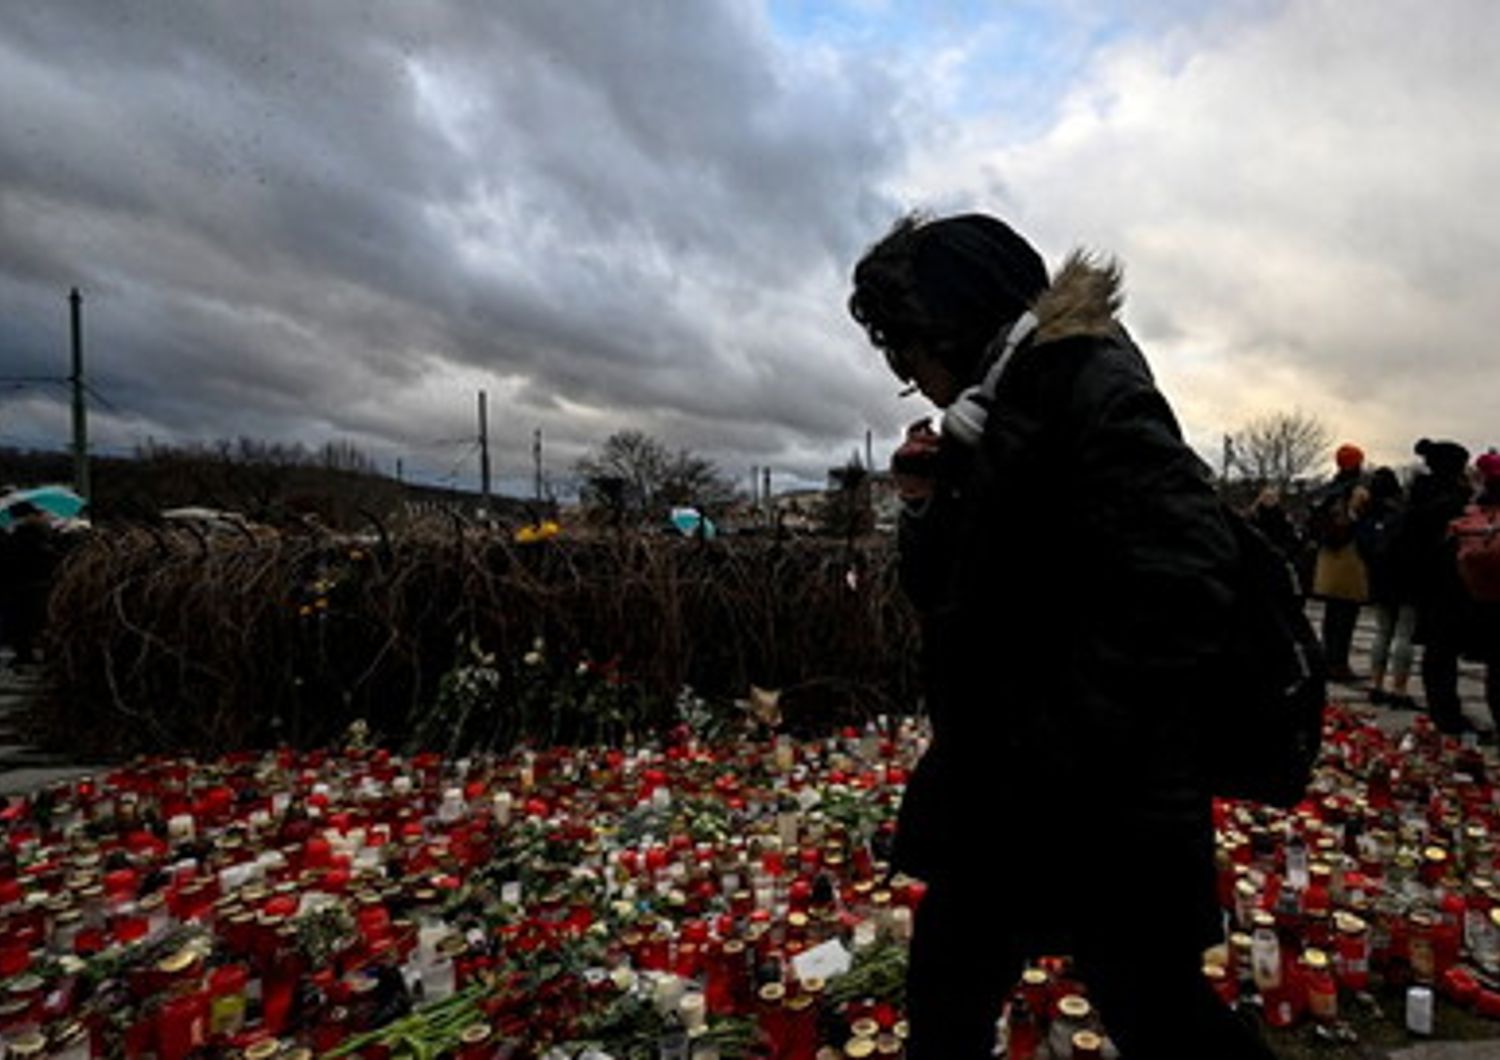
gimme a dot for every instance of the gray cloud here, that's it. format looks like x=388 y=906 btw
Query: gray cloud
x=295 y=218
x=340 y=219
x=1303 y=199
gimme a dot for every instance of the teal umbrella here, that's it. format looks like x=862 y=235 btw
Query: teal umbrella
x=54 y=500
x=690 y=522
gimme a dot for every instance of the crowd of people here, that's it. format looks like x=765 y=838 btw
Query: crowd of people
x=1421 y=556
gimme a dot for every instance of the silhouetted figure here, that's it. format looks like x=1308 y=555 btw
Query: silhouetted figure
x=28 y=555
x=1071 y=565
x=1339 y=577
x=1378 y=534
x=1437 y=498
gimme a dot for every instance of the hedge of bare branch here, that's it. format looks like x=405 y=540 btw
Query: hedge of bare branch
x=168 y=641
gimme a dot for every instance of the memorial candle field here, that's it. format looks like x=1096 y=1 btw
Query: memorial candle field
x=671 y=900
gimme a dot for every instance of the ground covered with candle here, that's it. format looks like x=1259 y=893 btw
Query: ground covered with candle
x=679 y=899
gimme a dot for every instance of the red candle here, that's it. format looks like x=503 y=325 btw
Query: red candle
x=771 y=1017
x=1459 y=986
x=1353 y=954
x=182 y=1025
x=1487 y=1004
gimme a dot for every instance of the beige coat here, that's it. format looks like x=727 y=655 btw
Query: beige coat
x=1341 y=575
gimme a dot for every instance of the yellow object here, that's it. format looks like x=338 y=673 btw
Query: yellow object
x=1340 y=575
x=542 y=531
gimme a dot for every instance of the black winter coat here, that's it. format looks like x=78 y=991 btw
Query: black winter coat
x=1378 y=533
x=1430 y=555
x=1073 y=582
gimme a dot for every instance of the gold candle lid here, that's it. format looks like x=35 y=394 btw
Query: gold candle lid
x=771 y=993
x=177 y=962
x=474 y=1033
x=263 y=1050
x=1088 y=1041
x=859 y=1047
x=1317 y=960
x=864 y=1027
x=29 y=1044
x=1074 y=1007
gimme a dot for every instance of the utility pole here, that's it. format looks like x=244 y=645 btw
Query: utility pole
x=1228 y=458
x=869 y=450
x=80 y=410
x=400 y=471
x=484 y=447
x=536 y=460
x=754 y=486
x=765 y=488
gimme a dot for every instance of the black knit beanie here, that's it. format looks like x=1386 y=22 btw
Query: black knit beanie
x=971 y=275
x=1443 y=458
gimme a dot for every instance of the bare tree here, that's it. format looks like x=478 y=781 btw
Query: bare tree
x=638 y=477
x=1279 y=447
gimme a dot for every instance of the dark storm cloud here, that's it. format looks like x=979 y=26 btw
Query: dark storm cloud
x=300 y=215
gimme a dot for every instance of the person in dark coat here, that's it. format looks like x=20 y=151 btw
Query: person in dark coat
x=1376 y=534
x=1268 y=515
x=27 y=556
x=1436 y=498
x=1071 y=565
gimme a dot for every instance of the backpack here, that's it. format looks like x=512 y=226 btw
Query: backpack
x=1265 y=727
x=1477 y=532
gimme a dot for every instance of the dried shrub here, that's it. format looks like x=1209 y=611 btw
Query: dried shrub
x=173 y=641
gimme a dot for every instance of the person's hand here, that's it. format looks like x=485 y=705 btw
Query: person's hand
x=914 y=463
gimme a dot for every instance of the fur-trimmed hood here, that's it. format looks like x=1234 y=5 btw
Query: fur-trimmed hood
x=1084 y=297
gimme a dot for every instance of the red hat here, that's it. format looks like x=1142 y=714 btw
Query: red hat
x=1489 y=465
x=1349 y=457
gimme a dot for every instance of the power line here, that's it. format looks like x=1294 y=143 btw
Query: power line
x=453 y=473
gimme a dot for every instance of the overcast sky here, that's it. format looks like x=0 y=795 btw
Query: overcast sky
x=338 y=220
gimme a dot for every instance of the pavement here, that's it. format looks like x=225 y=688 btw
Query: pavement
x=1470 y=681
x=23 y=767
x=1449 y=1051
